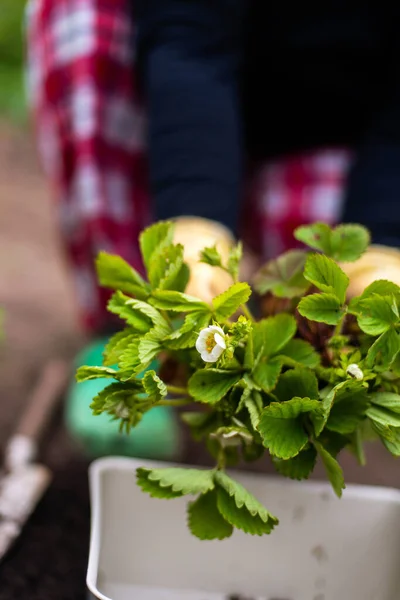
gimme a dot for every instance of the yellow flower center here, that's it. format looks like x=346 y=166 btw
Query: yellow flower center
x=210 y=342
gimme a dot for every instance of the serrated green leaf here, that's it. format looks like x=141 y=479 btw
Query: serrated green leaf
x=349 y=242
x=266 y=374
x=164 y=271
x=155 y=237
x=281 y=426
x=383 y=416
x=204 y=519
x=376 y=315
x=333 y=470
x=129 y=357
x=117 y=345
x=384 y=350
x=149 y=347
x=300 y=467
x=323 y=308
x=317 y=236
x=283 y=276
x=211 y=256
x=299 y=352
x=273 y=333
x=177 y=302
x=240 y=508
x=89 y=373
x=340 y=393
x=333 y=442
x=153 y=488
x=121 y=401
x=326 y=275
x=380 y=287
x=227 y=303
x=297 y=382
x=392 y=441
x=119 y=304
x=254 y=408
x=211 y=385
x=235 y=256
x=154 y=386
x=349 y=408
x=180 y=480
x=186 y=336
x=115 y=273
x=386 y=400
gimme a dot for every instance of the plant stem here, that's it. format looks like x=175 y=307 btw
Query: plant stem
x=339 y=326
x=247 y=312
x=178 y=391
x=183 y=402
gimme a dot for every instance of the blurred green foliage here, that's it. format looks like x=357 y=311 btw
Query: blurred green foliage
x=12 y=52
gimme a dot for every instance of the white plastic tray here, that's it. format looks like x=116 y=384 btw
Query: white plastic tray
x=323 y=548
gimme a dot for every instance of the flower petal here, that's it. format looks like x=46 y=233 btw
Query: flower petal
x=216 y=352
x=217 y=329
x=220 y=341
x=201 y=342
x=208 y=357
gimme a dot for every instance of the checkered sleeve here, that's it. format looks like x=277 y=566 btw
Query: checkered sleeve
x=90 y=131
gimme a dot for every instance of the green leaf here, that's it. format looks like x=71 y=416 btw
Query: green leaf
x=129 y=357
x=299 y=467
x=273 y=333
x=204 y=519
x=154 y=386
x=326 y=275
x=180 y=481
x=386 y=400
x=266 y=374
x=333 y=469
x=235 y=256
x=376 y=314
x=340 y=393
x=240 y=508
x=119 y=304
x=281 y=426
x=88 y=373
x=300 y=352
x=115 y=273
x=383 y=416
x=348 y=409
x=152 y=487
x=323 y=308
x=186 y=336
x=211 y=385
x=150 y=346
x=248 y=362
x=165 y=268
x=117 y=345
x=254 y=408
x=155 y=237
x=392 y=441
x=349 y=242
x=384 y=350
x=317 y=236
x=283 y=276
x=228 y=303
x=177 y=302
x=297 y=382
x=121 y=400
x=211 y=256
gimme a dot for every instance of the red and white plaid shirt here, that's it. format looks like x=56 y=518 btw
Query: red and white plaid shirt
x=91 y=124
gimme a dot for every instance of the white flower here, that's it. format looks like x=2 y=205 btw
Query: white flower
x=355 y=371
x=211 y=343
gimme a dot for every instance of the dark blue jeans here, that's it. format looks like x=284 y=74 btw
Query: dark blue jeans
x=310 y=78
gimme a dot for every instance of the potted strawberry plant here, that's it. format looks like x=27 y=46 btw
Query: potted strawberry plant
x=319 y=376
